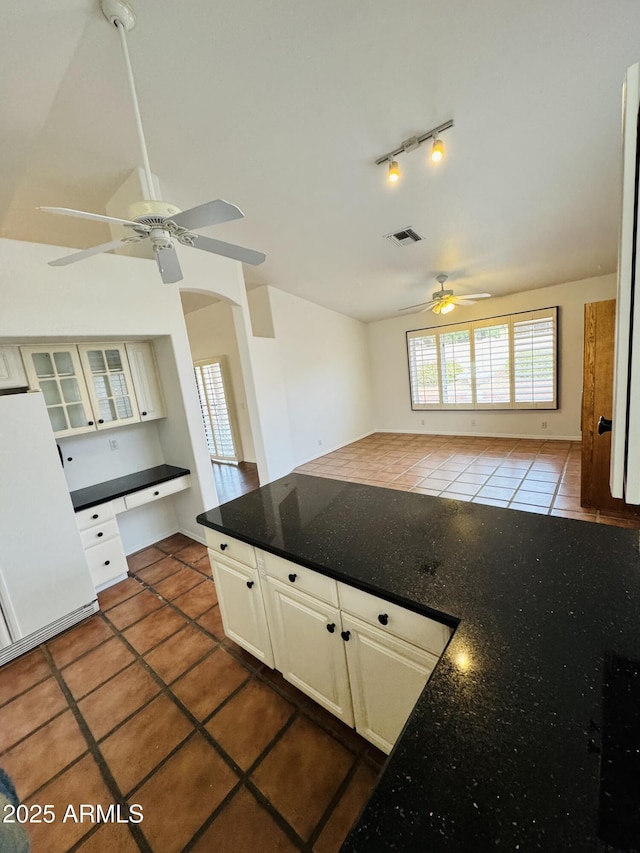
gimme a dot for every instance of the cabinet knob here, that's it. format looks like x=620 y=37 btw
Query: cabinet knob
x=250 y=584
x=224 y=546
x=106 y=562
x=143 y=414
x=345 y=635
x=95 y=515
x=89 y=423
x=156 y=494
x=292 y=578
x=383 y=618
x=100 y=420
x=331 y=627
x=604 y=425
x=100 y=534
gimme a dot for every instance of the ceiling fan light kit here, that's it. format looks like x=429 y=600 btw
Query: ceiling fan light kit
x=160 y=222
x=444 y=301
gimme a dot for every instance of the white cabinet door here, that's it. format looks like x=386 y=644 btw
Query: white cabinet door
x=56 y=371
x=110 y=385
x=242 y=607
x=387 y=676
x=146 y=380
x=12 y=373
x=308 y=647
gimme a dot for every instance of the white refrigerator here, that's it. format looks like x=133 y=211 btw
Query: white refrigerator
x=45 y=585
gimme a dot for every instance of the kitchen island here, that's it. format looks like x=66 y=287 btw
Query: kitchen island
x=526 y=737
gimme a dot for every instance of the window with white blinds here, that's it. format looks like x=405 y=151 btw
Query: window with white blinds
x=501 y=363
x=215 y=411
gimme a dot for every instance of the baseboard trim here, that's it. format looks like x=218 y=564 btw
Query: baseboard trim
x=476 y=434
x=324 y=451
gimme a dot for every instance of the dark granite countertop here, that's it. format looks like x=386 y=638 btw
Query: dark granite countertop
x=111 y=489
x=527 y=736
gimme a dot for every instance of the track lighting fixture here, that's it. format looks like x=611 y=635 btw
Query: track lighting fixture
x=437 y=149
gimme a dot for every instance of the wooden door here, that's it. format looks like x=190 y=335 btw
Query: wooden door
x=597 y=400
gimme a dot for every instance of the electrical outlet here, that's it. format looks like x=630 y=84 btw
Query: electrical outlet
x=422 y=422
x=544 y=424
x=113 y=444
x=319 y=442
x=473 y=423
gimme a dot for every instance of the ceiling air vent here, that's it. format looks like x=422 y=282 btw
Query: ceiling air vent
x=406 y=237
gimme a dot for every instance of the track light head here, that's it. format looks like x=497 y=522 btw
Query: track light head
x=437 y=150
x=394 y=171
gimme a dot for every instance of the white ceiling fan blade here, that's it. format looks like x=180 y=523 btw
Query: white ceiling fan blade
x=465 y=301
x=98 y=217
x=475 y=296
x=228 y=250
x=168 y=264
x=86 y=253
x=211 y=213
x=422 y=305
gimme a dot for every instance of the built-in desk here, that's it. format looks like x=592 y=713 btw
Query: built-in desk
x=97 y=507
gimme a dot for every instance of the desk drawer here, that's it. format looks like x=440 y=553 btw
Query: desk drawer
x=99 y=533
x=156 y=493
x=94 y=515
x=106 y=562
x=394 y=619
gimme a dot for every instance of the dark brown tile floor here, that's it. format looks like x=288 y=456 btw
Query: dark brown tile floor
x=146 y=702
x=521 y=474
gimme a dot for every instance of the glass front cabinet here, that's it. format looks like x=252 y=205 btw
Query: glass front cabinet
x=57 y=371
x=85 y=386
x=109 y=383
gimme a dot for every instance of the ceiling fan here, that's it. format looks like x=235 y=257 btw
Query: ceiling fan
x=152 y=218
x=442 y=301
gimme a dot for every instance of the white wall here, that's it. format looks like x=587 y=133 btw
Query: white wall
x=326 y=374
x=123 y=298
x=390 y=373
x=212 y=333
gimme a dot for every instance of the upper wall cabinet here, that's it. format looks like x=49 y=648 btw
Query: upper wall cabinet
x=12 y=373
x=110 y=385
x=146 y=382
x=57 y=372
x=92 y=386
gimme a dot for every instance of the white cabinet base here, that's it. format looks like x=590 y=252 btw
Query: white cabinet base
x=308 y=648
x=242 y=606
x=387 y=676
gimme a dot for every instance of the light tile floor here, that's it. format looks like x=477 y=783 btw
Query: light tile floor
x=146 y=702
x=521 y=474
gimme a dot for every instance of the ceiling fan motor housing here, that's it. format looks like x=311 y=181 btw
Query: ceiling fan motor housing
x=149 y=208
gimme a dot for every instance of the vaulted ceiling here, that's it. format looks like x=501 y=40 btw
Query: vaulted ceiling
x=282 y=107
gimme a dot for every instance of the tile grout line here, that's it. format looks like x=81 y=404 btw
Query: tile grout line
x=97 y=756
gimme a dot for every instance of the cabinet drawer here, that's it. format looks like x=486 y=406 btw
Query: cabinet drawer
x=94 y=515
x=230 y=547
x=100 y=533
x=394 y=619
x=301 y=578
x=156 y=493
x=106 y=562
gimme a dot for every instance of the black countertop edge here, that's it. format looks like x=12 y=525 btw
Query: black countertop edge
x=342 y=577
x=120 y=486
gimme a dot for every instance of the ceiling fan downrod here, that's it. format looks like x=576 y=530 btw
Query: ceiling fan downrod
x=121 y=15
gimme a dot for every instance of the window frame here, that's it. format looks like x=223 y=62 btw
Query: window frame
x=504 y=319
